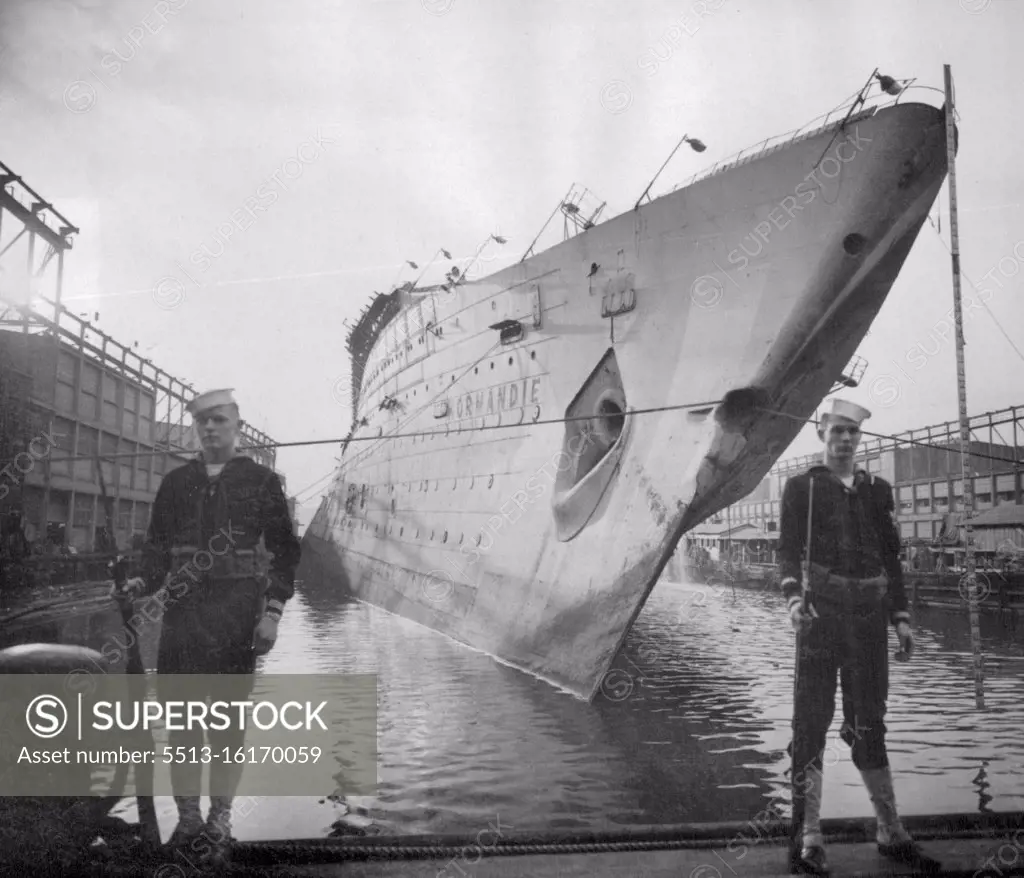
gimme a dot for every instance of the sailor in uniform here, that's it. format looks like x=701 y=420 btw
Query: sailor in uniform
x=855 y=591
x=221 y=607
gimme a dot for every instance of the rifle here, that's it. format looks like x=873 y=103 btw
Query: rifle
x=805 y=584
x=150 y=830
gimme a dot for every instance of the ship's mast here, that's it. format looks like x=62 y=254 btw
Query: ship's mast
x=970 y=576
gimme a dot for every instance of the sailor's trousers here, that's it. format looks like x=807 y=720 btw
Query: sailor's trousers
x=208 y=632
x=849 y=639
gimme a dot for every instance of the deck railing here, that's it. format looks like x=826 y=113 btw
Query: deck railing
x=832 y=119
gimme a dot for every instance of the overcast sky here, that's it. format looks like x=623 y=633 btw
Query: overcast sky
x=375 y=132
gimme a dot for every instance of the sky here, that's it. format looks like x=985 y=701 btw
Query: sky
x=363 y=134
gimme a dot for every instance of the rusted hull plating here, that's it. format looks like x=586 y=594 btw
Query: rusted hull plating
x=538 y=543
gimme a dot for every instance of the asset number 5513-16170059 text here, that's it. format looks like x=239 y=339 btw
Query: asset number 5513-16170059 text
x=247 y=755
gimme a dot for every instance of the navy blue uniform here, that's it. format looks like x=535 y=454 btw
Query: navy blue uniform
x=857 y=590
x=205 y=533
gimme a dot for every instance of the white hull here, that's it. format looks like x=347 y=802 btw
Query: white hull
x=488 y=535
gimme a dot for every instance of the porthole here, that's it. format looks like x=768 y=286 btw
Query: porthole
x=854 y=243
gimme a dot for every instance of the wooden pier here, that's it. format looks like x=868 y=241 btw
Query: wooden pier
x=997 y=592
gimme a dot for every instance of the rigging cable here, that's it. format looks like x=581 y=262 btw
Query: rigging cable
x=895 y=438
x=977 y=294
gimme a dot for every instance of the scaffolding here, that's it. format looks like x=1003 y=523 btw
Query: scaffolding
x=112 y=408
x=924 y=468
x=40 y=314
x=1006 y=425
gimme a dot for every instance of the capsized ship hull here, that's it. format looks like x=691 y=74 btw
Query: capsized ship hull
x=517 y=510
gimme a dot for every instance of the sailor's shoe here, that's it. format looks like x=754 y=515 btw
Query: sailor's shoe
x=809 y=860
x=185 y=833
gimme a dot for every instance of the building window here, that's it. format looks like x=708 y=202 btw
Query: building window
x=874 y=464
x=940 y=491
x=141 y=517
x=124 y=463
x=142 y=461
x=1006 y=489
x=64 y=433
x=146 y=405
x=124 y=515
x=108 y=450
x=922 y=498
x=67 y=365
x=907 y=530
x=83 y=510
x=89 y=397
x=131 y=406
x=88 y=447
x=57 y=511
x=906 y=501
x=958 y=495
x=982 y=493
x=110 y=387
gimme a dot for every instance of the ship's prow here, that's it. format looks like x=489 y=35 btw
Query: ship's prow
x=536 y=443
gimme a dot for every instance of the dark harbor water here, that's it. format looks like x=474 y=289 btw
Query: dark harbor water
x=692 y=724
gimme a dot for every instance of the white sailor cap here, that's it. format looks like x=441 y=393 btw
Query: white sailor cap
x=210 y=399
x=842 y=408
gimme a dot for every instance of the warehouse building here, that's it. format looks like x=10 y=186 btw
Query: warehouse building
x=99 y=410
